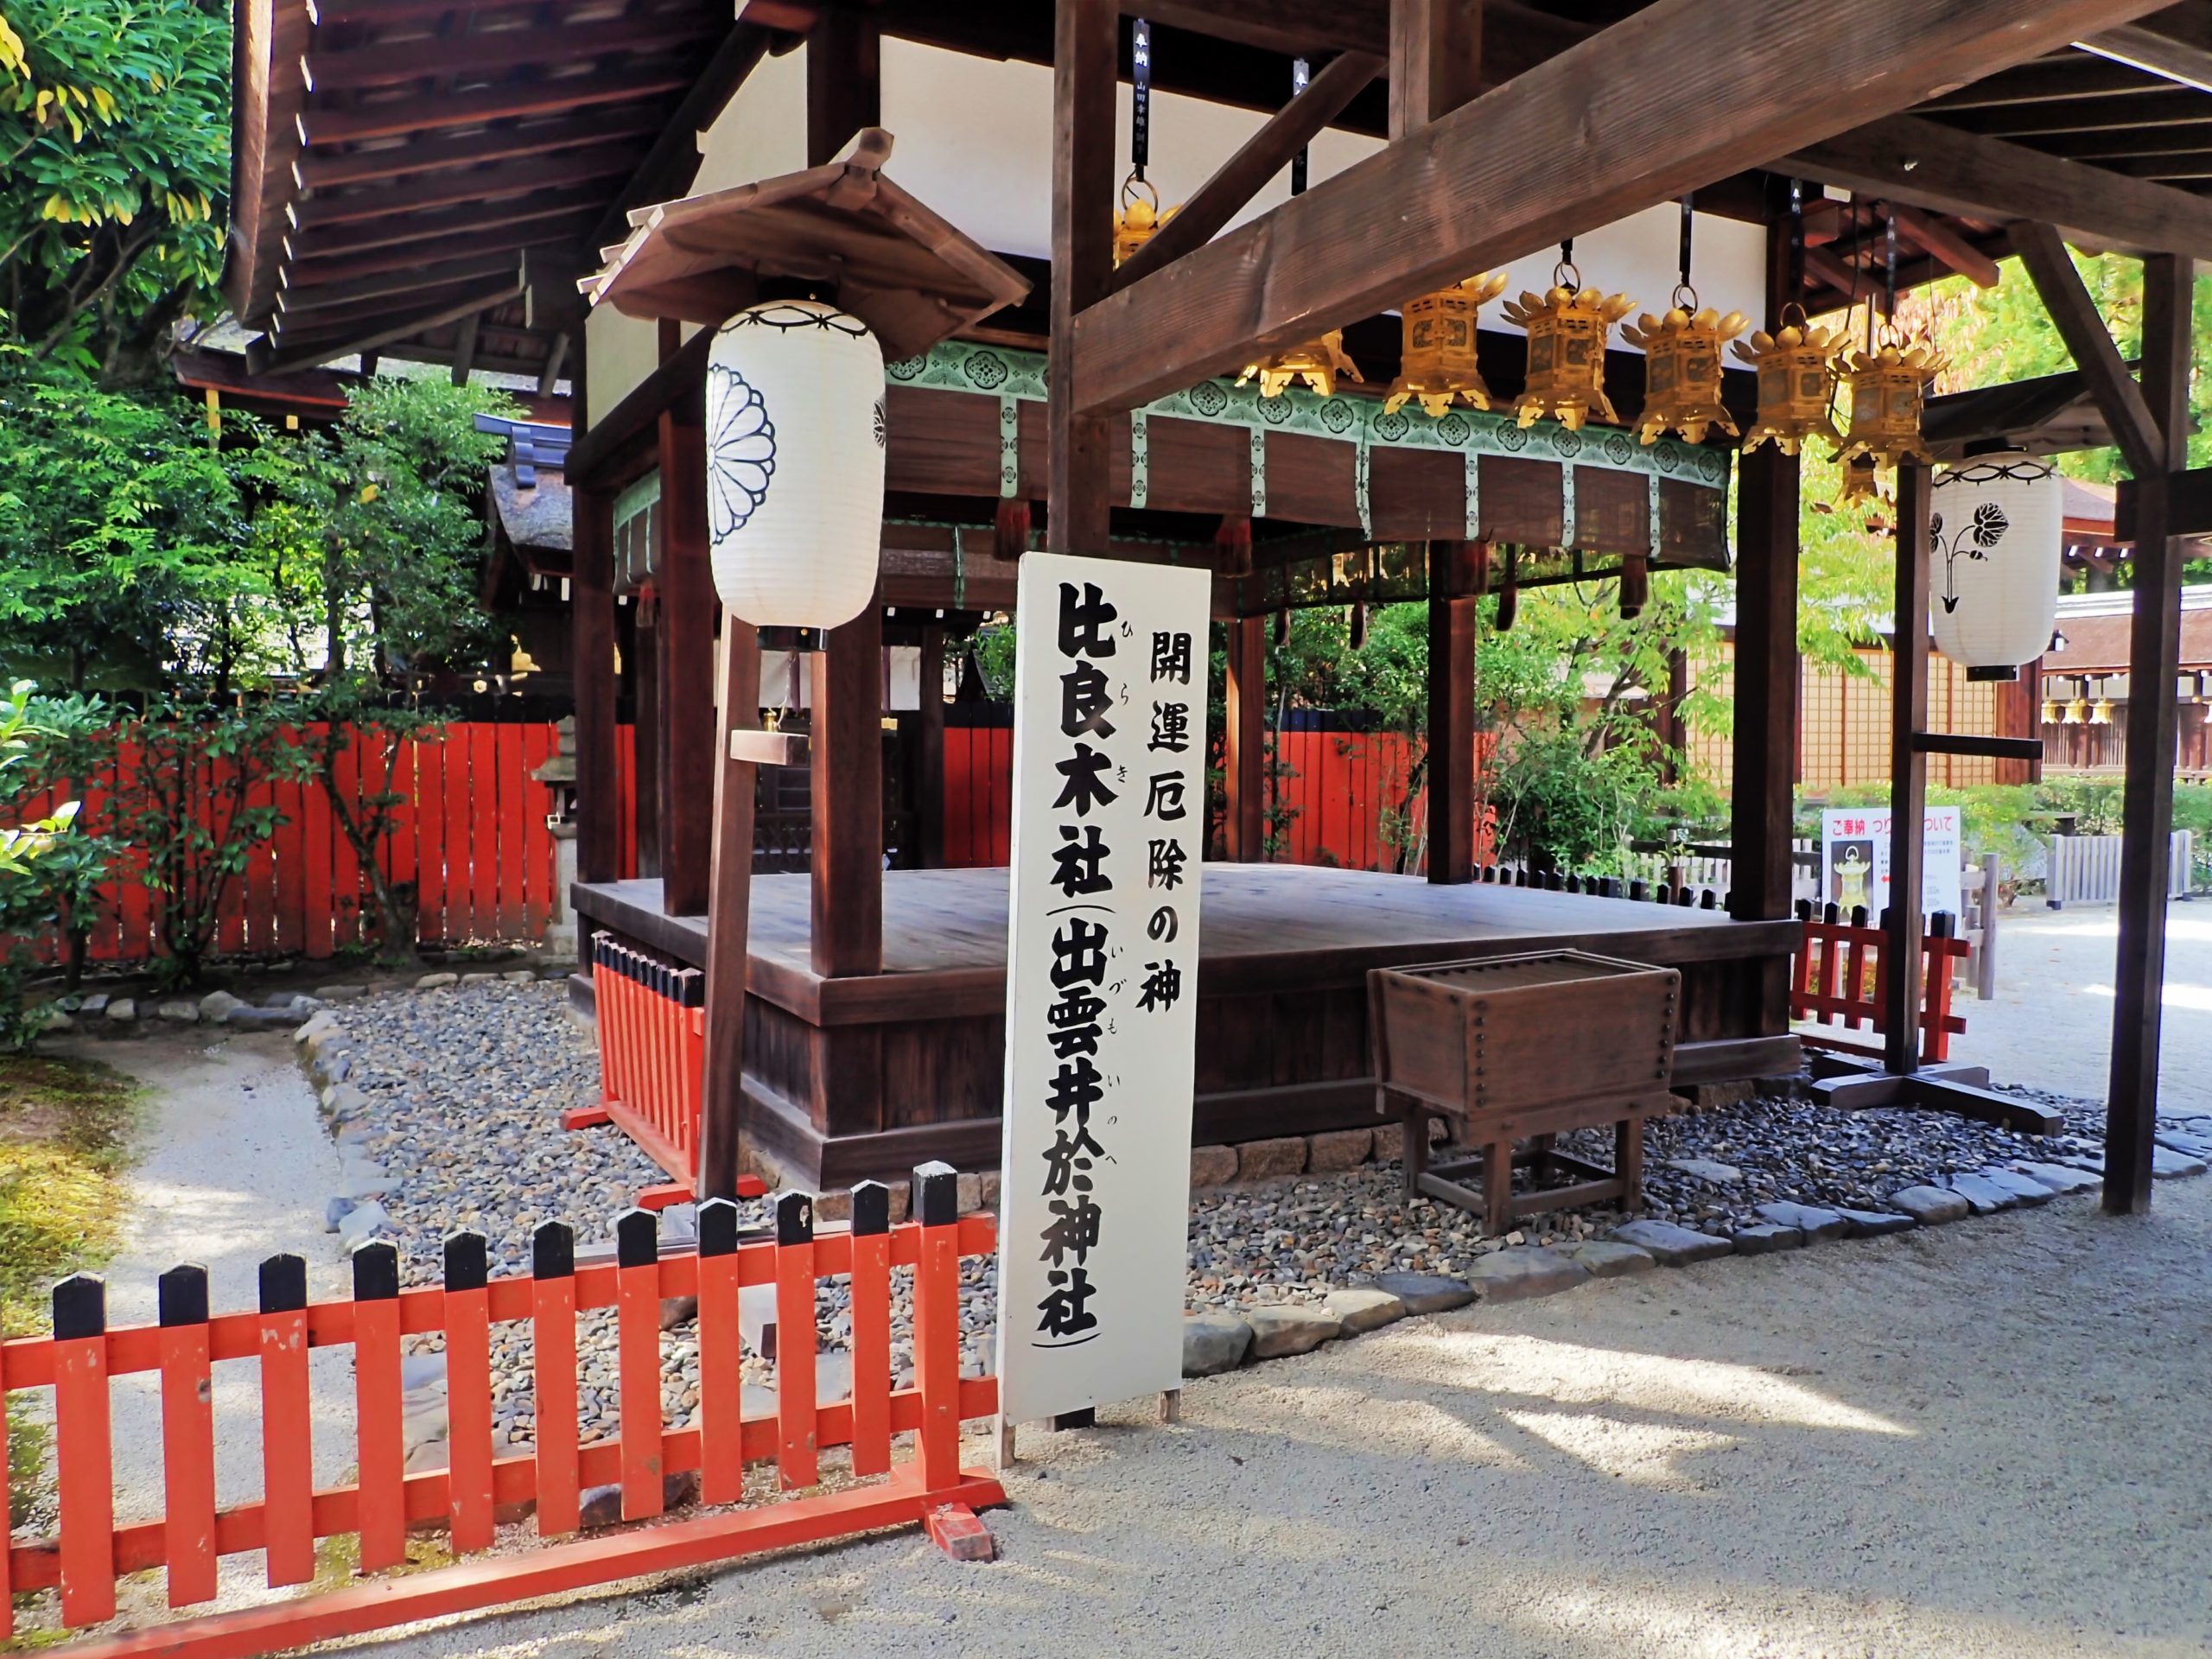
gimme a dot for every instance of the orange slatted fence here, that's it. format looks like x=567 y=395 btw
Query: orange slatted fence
x=1839 y=977
x=181 y=1530
x=471 y=836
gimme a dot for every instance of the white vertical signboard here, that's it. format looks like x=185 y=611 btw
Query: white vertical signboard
x=1855 y=859
x=1101 y=980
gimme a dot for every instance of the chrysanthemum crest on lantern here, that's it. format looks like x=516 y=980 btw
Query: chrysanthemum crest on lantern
x=1437 y=362
x=1566 y=328
x=1681 y=374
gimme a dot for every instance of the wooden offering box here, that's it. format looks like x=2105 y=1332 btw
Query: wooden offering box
x=1522 y=1049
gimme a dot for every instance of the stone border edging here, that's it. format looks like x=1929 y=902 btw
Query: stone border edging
x=1215 y=1341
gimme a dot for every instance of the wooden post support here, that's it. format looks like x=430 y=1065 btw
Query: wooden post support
x=730 y=914
x=1436 y=59
x=844 y=81
x=1451 y=619
x=1767 y=670
x=1085 y=41
x=929 y=793
x=599 y=828
x=1901 y=956
x=846 y=748
x=641 y=652
x=2147 y=804
x=1244 y=769
x=686 y=666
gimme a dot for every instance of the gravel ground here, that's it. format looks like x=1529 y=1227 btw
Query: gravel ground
x=1977 y=1442
x=464 y=1087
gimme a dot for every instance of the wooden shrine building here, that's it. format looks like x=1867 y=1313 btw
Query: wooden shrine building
x=586 y=188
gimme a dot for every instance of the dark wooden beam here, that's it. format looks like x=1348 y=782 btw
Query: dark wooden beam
x=464 y=347
x=451 y=187
x=673 y=162
x=729 y=915
x=557 y=357
x=1902 y=920
x=2147 y=801
x=844 y=83
x=929 y=794
x=1767 y=671
x=686 y=740
x=1262 y=155
x=2159 y=106
x=1085 y=38
x=339 y=241
x=847 y=747
x=1293 y=27
x=1244 y=783
x=291 y=360
x=613 y=432
x=1929 y=164
x=400 y=63
x=333 y=169
x=2189 y=506
x=1452 y=618
x=1436 y=59
x=1943 y=240
x=1572 y=144
x=422 y=256
x=428 y=113
x=293 y=329
x=2042 y=252
x=2046 y=80
x=2176 y=44
x=295 y=304
x=599 y=801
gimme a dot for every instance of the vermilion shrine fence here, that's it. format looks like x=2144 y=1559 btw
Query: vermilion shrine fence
x=182 y=1530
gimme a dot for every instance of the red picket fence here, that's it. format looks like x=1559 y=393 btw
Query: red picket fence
x=1342 y=788
x=186 y=1533
x=652 y=1022
x=471 y=834
x=1840 y=975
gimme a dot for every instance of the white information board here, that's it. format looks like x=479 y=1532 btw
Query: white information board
x=1855 y=859
x=1109 y=816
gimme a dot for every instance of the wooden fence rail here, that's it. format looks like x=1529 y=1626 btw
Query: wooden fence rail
x=1841 y=970
x=92 y=1549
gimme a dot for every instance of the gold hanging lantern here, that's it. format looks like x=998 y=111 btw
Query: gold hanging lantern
x=1796 y=371
x=1681 y=373
x=1865 y=490
x=1889 y=387
x=1318 y=363
x=1567 y=350
x=1138 y=217
x=1438 y=358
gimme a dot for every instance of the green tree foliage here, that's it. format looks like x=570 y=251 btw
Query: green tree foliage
x=115 y=137
x=47 y=863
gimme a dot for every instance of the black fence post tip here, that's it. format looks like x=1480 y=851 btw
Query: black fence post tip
x=794 y=1219
x=376 y=1270
x=467 y=1261
x=871 y=1208
x=553 y=1250
x=283 y=1284
x=937 y=1195
x=80 y=1307
x=636 y=1238
x=184 y=1294
x=718 y=1227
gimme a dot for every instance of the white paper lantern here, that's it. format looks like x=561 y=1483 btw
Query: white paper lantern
x=795 y=449
x=1995 y=537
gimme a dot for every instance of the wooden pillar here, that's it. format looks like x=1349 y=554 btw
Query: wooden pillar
x=1908 y=776
x=1085 y=40
x=844 y=82
x=2147 y=804
x=729 y=913
x=1436 y=57
x=1767 y=669
x=846 y=755
x=929 y=787
x=1244 y=824
x=1452 y=619
x=686 y=666
x=591 y=601
x=645 y=614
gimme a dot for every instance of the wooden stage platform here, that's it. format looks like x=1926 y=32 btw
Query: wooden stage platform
x=857 y=1077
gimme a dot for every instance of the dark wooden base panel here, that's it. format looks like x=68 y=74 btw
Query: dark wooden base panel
x=862 y=1078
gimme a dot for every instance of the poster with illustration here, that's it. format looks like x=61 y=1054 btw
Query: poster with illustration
x=1855 y=859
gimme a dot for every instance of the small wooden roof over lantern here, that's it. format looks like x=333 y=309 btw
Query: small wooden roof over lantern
x=912 y=277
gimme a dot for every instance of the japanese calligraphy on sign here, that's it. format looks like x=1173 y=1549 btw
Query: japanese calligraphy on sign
x=1102 y=971
x=1855 y=859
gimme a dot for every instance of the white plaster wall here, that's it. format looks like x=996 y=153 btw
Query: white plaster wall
x=619 y=352
x=973 y=139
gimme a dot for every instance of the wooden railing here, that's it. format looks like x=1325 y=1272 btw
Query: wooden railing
x=2085 y=869
x=1840 y=974
x=91 y=1549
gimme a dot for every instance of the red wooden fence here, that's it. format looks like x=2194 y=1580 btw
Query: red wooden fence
x=181 y=1529
x=470 y=834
